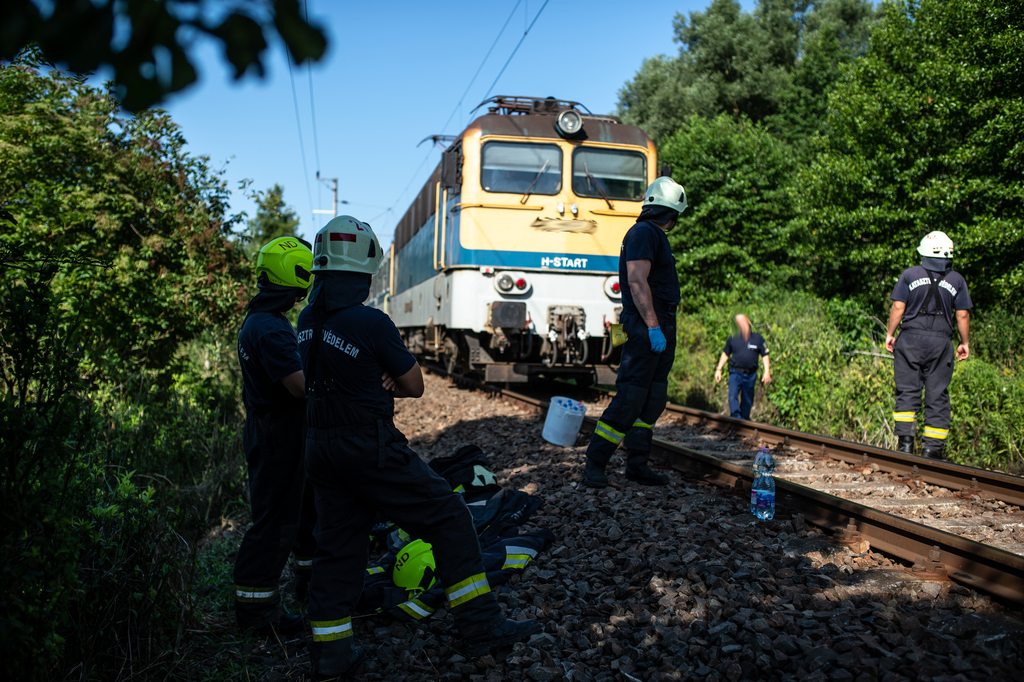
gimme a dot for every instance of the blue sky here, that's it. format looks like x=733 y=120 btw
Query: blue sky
x=393 y=74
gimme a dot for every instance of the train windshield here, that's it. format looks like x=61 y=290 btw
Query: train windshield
x=521 y=168
x=611 y=173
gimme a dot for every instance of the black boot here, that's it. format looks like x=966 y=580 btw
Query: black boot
x=507 y=632
x=301 y=584
x=594 y=476
x=335 y=660
x=905 y=444
x=638 y=471
x=930 y=452
x=286 y=625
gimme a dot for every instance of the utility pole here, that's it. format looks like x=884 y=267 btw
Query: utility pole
x=333 y=184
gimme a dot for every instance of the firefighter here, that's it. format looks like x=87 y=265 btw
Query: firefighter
x=648 y=317
x=273 y=391
x=929 y=299
x=360 y=464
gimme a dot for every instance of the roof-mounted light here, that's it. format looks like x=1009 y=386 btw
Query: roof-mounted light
x=568 y=123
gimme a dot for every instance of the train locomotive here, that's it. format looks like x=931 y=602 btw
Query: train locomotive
x=506 y=263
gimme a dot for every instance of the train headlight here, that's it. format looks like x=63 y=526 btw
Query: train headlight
x=505 y=283
x=520 y=284
x=612 y=288
x=513 y=283
x=568 y=123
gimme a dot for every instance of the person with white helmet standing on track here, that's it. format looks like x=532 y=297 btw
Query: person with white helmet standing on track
x=649 y=302
x=930 y=299
x=360 y=464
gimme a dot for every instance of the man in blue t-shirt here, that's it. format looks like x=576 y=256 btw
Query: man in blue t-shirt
x=741 y=352
x=926 y=298
x=273 y=391
x=361 y=465
x=649 y=301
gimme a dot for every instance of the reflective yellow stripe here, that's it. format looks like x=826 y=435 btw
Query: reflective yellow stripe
x=459 y=488
x=642 y=425
x=932 y=432
x=904 y=416
x=470 y=588
x=516 y=560
x=374 y=570
x=330 y=630
x=608 y=433
x=255 y=594
x=416 y=609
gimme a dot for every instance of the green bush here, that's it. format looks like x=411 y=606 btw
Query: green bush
x=832 y=376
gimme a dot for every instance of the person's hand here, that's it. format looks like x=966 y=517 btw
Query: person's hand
x=718 y=375
x=767 y=378
x=963 y=352
x=388 y=382
x=890 y=341
x=658 y=341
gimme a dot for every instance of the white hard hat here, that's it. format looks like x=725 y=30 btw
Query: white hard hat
x=936 y=245
x=666 y=192
x=346 y=245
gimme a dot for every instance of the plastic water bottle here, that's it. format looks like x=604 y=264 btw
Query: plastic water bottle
x=762 y=493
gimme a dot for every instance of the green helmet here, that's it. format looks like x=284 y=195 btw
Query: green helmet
x=347 y=245
x=666 y=192
x=287 y=262
x=414 y=567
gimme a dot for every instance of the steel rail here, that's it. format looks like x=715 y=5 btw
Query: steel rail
x=957 y=477
x=935 y=554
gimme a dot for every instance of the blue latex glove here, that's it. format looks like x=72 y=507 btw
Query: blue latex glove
x=658 y=342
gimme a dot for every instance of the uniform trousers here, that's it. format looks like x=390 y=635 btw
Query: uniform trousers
x=274 y=445
x=641 y=394
x=741 y=393
x=358 y=471
x=923 y=358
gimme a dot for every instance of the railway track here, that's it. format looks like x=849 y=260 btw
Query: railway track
x=946 y=521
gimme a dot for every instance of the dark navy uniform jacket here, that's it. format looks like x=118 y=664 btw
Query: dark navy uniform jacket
x=912 y=289
x=647 y=241
x=267 y=352
x=743 y=354
x=358 y=345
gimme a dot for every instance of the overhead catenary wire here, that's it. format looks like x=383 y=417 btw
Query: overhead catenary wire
x=480 y=68
x=509 y=60
x=298 y=125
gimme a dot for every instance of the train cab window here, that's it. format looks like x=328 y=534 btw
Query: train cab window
x=521 y=168
x=617 y=174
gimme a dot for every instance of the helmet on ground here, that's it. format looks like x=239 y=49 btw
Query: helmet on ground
x=666 y=192
x=287 y=262
x=414 y=567
x=936 y=245
x=346 y=245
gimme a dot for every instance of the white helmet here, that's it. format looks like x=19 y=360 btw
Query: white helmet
x=346 y=245
x=936 y=245
x=666 y=192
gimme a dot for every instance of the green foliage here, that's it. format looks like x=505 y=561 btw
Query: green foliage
x=926 y=134
x=119 y=291
x=150 y=55
x=273 y=219
x=79 y=178
x=774 y=64
x=832 y=376
x=737 y=234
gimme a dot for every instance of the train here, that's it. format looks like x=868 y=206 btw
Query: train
x=505 y=265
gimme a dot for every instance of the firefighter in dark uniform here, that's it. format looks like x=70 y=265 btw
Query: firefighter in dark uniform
x=648 y=317
x=274 y=441
x=741 y=352
x=360 y=464
x=929 y=299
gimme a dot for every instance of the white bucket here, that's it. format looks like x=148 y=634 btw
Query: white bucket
x=565 y=417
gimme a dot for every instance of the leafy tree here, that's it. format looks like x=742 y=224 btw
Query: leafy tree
x=273 y=219
x=146 y=41
x=926 y=134
x=81 y=181
x=775 y=63
x=737 y=233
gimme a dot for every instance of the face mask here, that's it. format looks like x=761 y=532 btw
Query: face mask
x=937 y=264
